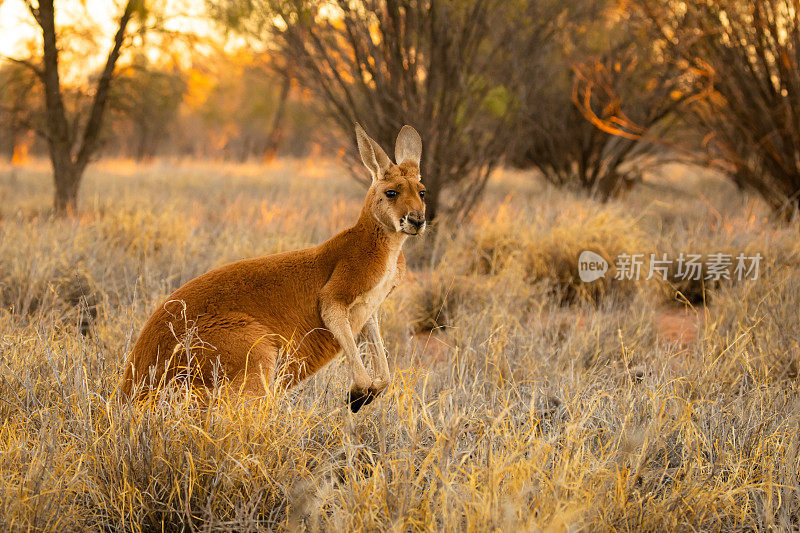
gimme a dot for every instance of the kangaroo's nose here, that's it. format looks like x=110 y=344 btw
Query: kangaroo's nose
x=416 y=219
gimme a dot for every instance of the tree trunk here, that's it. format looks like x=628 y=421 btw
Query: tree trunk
x=431 y=200
x=67 y=180
x=607 y=186
x=142 y=136
x=276 y=132
x=11 y=147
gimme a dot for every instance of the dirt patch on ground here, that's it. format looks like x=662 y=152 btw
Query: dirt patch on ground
x=678 y=325
x=429 y=347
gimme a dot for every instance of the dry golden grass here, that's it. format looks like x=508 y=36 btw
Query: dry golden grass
x=529 y=402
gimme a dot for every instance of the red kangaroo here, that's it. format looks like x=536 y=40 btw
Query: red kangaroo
x=308 y=305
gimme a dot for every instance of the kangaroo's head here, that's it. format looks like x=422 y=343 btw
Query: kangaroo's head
x=396 y=196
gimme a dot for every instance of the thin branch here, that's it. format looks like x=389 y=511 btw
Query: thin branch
x=91 y=131
x=26 y=63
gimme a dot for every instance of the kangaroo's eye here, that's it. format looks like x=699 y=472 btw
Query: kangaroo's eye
x=391 y=194
x=422 y=194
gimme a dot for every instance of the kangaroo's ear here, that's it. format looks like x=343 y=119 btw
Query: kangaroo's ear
x=372 y=155
x=408 y=146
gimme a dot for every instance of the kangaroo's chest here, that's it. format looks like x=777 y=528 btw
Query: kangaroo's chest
x=370 y=300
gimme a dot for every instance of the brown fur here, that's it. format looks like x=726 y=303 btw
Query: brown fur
x=303 y=304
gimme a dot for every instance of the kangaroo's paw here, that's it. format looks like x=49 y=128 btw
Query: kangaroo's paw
x=360 y=397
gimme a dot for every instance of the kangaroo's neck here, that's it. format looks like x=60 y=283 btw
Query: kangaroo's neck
x=382 y=238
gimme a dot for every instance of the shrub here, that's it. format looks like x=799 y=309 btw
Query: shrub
x=547 y=247
x=439 y=65
x=743 y=59
x=592 y=112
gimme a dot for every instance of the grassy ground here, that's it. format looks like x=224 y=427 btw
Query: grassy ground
x=522 y=399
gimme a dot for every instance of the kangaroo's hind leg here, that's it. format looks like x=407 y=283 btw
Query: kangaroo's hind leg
x=241 y=358
x=255 y=381
x=256 y=369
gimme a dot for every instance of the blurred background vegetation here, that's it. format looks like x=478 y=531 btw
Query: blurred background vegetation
x=592 y=94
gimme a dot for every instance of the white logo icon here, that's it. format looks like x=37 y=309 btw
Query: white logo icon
x=591 y=266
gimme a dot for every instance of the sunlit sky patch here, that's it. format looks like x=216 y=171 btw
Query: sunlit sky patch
x=18 y=30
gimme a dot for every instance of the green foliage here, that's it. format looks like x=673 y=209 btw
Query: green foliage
x=497 y=101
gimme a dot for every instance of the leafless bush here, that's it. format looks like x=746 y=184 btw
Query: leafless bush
x=149 y=97
x=744 y=58
x=439 y=65
x=591 y=111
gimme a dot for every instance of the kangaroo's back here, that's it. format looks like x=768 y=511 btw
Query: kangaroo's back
x=275 y=293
